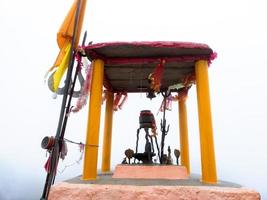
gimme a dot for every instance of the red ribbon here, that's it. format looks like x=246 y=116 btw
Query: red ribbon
x=47 y=165
x=117 y=101
x=156 y=77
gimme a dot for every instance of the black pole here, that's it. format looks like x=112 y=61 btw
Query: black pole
x=69 y=72
x=163 y=124
x=70 y=95
x=54 y=155
x=164 y=131
x=78 y=68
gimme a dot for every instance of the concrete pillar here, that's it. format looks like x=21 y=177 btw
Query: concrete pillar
x=93 y=125
x=208 y=163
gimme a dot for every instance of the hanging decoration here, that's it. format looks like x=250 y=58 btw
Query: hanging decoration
x=155 y=77
x=169 y=101
x=47 y=165
x=150 y=94
x=182 y=93
x=48 y=144
x=119 y=100
x=189 y=80
x=82 y=100
x=182 y=89
x=175 y=87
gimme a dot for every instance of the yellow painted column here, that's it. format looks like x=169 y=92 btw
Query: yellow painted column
x=93 y=125
x=208 y=162
x=107 y=133
x=184 y=147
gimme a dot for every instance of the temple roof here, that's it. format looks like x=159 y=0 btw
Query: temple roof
x=128 y=64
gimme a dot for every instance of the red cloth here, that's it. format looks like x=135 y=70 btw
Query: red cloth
x=206 y=52
x=118 y=103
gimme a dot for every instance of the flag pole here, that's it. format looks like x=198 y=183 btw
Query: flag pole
x=57 y=147
x=68 y=108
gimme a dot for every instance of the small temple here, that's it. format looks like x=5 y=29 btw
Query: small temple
x=166 y=68
x=125 y=67
x=135 y=67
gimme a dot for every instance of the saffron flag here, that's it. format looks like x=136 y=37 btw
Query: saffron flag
x=64 y=39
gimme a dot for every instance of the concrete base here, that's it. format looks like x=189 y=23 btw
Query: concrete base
x=66 y=191
x=170 y=172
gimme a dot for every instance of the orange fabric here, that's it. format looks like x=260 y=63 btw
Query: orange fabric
x=65 y=33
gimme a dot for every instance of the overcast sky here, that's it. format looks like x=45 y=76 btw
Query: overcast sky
x=236 y=30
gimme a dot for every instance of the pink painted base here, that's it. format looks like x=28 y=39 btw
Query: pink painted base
x=66 y=191
x=170 y=172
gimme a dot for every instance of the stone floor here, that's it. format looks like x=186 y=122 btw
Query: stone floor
x=108 y=188
x=106 y=179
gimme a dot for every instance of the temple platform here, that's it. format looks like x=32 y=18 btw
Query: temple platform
x=170 y=172
x=108 y=188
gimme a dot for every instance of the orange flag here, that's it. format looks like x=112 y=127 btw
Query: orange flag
x=64 y=39
x=65 y=33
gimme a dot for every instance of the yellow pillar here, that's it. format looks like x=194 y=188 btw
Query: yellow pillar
x=208 y=163
x=184 y=148
x=107 y=133
x=93 y=125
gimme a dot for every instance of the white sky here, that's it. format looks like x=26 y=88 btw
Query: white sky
x=236 y=30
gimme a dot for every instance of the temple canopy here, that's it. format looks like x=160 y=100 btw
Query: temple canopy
x=127 y=65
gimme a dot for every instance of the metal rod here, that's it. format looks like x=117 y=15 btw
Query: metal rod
x=164 y=131
x=152 y=144
x=157 y=145
x=78 y=68
x=137 y=140
x=148 y=146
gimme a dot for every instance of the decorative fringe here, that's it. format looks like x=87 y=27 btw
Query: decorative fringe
x=82 y=100
x=213 y=56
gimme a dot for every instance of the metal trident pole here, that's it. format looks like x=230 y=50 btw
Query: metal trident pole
x=164 y=130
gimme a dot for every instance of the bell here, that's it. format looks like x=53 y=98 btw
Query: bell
x=151 y=94
x=48 y=142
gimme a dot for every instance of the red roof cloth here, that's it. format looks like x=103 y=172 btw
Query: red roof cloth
x=128 y=64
